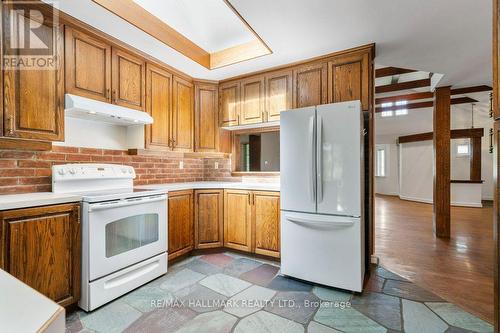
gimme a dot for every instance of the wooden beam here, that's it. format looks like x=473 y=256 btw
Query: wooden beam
x=403 y=86
x=390 y=71
x=406 y=97
x=464 y=133
x=428 y=104
x=475 y=159
x=468 y=90
x=441 y=142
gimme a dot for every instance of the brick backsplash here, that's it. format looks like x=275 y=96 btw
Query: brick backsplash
x=30 y=171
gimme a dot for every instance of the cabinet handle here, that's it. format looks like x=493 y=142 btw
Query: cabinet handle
x=114 y=96
x=10 y=124
x=249 y=199
x=238 y=117
x=108 y=97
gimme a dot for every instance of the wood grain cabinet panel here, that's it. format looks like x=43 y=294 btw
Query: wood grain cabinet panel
x=278 y=94
x=348 y=79
x=266 y=223
x=209 y=217
x=41 y=247
x=88 y=66
x=159 y=106
x=128 y=80
x=182 y=115
x=229 y=103
x=180 y=223
x=310 y=85
x=206 y=118
x=252 y=100
x=237 y=220
x=34 y=99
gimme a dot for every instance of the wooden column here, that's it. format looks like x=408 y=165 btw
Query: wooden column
x=442 y=137
x=475 y=159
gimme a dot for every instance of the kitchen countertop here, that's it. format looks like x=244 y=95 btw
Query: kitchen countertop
x=25 y=200
x=216 y=185
x=23 y=309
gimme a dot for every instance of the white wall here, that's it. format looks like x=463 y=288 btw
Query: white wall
x=270 y=151
x=389 y=184
x=95 y=134
x=416 y=174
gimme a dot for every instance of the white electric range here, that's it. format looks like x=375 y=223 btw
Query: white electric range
x=124 y=229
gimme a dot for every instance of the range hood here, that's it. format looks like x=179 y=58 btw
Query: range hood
x=89 y=109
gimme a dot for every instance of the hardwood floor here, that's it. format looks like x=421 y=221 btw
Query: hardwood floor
x=459 y=269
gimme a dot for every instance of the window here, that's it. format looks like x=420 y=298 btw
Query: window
x=258 y=151
x=401 y=112
x=380 y=159
x=463 y=150
x=386 y=114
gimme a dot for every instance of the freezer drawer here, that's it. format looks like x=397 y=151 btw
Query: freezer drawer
x=323 y=249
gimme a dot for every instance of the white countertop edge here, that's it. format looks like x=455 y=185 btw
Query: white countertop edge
x=27 y=200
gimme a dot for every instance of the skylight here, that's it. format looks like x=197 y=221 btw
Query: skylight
x=210 y=24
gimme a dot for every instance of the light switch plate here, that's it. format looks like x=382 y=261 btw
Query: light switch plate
x=181 y=165
x=216 y=165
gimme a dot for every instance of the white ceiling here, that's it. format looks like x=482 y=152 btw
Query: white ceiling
x=210 y=24
x=452 y=37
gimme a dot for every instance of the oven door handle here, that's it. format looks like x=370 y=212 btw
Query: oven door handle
x=126 y=202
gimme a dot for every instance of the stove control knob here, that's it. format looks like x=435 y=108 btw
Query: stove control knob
x=72 y=171
x=124 y=170
x=130 y=171
x=62 y=172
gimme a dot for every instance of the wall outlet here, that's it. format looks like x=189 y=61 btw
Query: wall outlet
x=216 y=165
x=181 y=165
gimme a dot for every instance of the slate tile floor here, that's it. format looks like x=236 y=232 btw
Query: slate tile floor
x=228 y=292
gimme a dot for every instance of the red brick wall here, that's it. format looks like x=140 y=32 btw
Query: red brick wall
x=30 y=171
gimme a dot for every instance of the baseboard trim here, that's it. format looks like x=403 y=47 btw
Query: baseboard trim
x=453 y=203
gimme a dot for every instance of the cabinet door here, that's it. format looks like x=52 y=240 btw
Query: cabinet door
x=180 y=223
x=252 y=101
x=309 y=85
x=348 y=79
x=229 y=105
x=182 y=115
x=237 y=220
x=159 y=106
x=206 y=118
x=266 y=223
x=209 y=217
x=278 y=94
x=128 y=74
x=41 y=247
x=34 y=98
x=88 y=66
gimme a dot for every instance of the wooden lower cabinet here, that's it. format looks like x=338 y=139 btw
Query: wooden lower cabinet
x=180 y=223
x=252 y=221
x=266 y=223
x=41 y=246
x=208 y=219
x=237 y=220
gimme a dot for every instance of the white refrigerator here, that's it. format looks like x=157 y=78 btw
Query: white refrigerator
x=321 y=175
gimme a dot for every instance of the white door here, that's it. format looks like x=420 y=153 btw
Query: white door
x=298 y=159
x=323 y=249
x=125 y=232
x=339 y=158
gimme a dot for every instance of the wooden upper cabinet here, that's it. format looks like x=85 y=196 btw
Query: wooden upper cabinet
x=266 y=223
x=182 y=115
x=229 y=105
x=206 y=118
x=309 y=85
x=41 y=247
x=349 y=79
x=34 y=98
x=88 y=66
x=159 y=106
x=128 y=80
x=252 y=100
x=180 y=223
x=209 y=217
x=237 y=220
x=278 y=94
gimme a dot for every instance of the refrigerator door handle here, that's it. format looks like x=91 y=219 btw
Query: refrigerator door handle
x=312 y=165
x=331 y=224
x=319 y=162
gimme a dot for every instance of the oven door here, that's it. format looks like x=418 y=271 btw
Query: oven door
x=125 y=232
